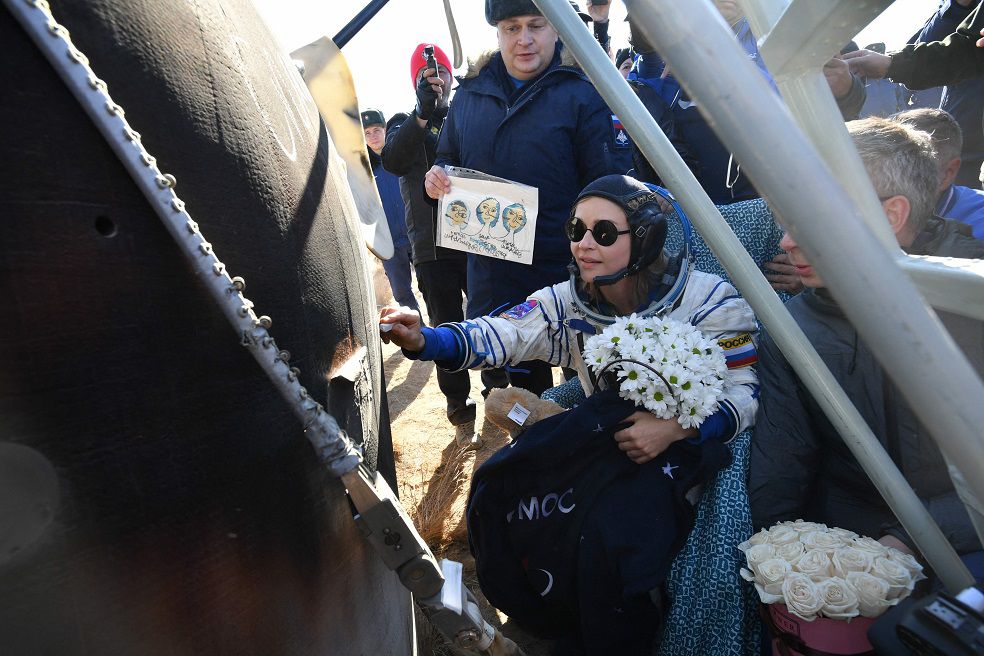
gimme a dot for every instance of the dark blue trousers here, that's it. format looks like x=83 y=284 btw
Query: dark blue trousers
x=397 y=270
x=442 y=283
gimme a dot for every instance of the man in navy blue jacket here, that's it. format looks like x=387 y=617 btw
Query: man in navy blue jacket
x=964 y=100
x=397 y=267
x=527 y=113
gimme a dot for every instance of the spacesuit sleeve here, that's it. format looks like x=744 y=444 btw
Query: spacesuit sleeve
x=728 y=319
x=532 y=330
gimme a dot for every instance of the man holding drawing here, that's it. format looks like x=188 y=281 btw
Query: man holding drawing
x=528 y=114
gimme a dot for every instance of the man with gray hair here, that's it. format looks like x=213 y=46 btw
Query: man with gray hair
x=901 y=163
x=799 y=465
x=963 y=204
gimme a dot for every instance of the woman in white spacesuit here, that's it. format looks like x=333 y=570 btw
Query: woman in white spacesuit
x=617 y=229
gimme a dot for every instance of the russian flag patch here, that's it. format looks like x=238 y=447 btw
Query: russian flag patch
x=620 y=136
x=739 y=351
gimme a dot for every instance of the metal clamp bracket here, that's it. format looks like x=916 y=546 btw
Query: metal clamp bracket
x=382 y=520
x=441 y=594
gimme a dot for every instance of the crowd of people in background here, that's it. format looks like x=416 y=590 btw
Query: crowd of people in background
x=526 y=112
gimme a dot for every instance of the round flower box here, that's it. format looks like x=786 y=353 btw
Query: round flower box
x=837 y=579
x=821 y=636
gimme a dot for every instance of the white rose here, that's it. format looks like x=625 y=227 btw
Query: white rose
x=783 y=535
x=849 y=559
x=801 y=596
x=814 y=564
x=844 y=534
x=909 y=562
x=822 y=541
x=768 y=582
x=804 y=527
x=762 y=537
x=874 y=547
x=758 y=554
x=791 y=552
x=872 y=593
x=840 y=601
x=894 y=573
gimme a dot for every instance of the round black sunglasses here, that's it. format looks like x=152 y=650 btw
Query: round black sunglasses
x=605 y=232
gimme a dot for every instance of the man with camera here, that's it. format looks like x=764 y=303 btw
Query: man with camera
x=411 y=143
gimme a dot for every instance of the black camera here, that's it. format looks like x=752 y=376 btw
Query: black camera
x=431 y=60
x=936 y=625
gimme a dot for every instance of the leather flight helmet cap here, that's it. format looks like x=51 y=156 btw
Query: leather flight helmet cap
x=645 y=217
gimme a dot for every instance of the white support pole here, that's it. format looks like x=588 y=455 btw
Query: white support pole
x=948 y=283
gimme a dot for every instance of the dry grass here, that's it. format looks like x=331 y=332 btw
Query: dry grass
x=433 y=511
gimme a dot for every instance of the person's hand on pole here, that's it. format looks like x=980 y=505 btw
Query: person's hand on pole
x=838 y=76
x=436 y=182
x=868 y=63
x=401 y=326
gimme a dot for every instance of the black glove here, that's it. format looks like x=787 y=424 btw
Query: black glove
x=426 y=99
x=601 y=35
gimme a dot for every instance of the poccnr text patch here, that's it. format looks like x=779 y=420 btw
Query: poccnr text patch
x=739 y=351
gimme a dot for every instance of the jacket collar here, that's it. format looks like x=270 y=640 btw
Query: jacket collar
x=477 y=65
x=938 y=233
x=946 y=201
x=488 y=76
x=820 y=299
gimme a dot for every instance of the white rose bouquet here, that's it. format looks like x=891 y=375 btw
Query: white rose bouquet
x=666 y=366
x=827 y=572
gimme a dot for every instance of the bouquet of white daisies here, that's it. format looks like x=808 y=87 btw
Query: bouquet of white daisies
x=666 y=366
x=827 y=572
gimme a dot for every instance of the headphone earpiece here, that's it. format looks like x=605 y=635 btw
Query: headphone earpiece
x=648 y=235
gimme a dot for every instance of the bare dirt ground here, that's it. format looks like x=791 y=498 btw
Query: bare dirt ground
x=434 y=474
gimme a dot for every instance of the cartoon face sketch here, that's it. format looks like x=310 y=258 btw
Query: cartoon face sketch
x=488 y=212
x=514 y=217
x=457 y=214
